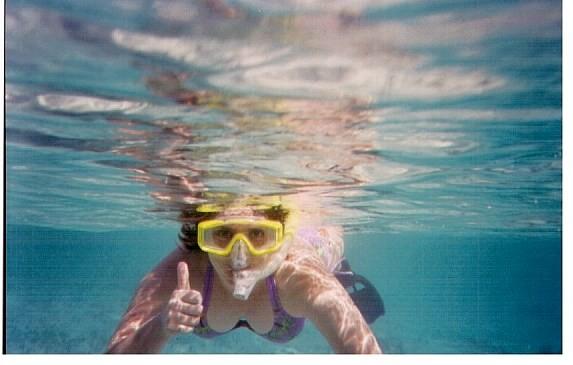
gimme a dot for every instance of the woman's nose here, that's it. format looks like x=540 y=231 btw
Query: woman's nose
x=239 y=256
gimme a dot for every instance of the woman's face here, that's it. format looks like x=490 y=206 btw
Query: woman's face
x=241 y=270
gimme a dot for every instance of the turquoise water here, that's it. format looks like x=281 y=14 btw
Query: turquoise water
x=430 y=132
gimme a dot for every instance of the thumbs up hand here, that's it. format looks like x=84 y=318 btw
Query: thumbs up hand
x=184 y=308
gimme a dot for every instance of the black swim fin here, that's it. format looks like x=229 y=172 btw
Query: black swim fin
x=363 y=293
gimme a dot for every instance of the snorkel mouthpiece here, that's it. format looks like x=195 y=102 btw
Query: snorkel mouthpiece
x=244 y=283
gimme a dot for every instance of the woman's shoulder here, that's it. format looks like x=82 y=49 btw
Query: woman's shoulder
x=323 y=242
x=301 y=276
x=166 y=270
x=300 y=267
x=190 y=257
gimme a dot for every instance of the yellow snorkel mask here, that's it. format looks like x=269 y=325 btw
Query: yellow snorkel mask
x=261 y=236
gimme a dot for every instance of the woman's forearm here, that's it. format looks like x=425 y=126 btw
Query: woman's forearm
x=331 y=309
x=362 y=342
x=147 y=339
x=348 y=333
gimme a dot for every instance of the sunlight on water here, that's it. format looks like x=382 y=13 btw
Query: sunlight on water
x=354 y=109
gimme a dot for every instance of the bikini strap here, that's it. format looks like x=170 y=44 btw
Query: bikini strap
x=203 y=328
x=273 y=294
x=207 y=288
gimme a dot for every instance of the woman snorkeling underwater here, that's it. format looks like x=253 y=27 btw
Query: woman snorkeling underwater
x=261 y=263
x=247 y=264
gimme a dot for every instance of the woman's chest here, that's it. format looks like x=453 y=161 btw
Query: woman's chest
x=223 y=312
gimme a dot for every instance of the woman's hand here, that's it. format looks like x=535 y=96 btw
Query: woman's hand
x=183 y=310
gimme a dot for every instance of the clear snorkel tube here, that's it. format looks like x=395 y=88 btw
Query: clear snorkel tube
x=244 y=281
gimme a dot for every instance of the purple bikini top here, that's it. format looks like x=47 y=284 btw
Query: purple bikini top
x=285 y=326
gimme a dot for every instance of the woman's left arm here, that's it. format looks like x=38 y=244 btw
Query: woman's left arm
x=310 y=291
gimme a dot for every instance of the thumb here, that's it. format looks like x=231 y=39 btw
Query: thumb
x=183 y=276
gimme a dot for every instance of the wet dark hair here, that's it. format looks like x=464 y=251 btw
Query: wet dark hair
x=191 y=217
x=188 y=235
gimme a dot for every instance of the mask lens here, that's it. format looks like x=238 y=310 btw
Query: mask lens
x=262 y=237
x=221 y=236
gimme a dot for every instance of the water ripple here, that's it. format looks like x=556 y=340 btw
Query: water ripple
x=388 y=115
x=211 y=53
x=77 y=104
